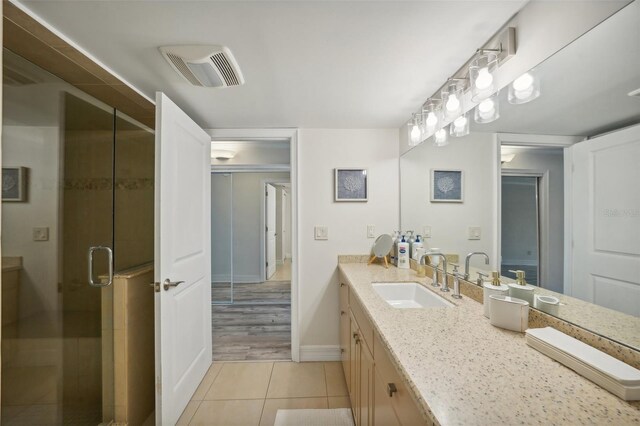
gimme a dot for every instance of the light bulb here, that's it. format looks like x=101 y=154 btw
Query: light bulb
x=486 y=108
x=432 y=120
x=460 y=122
x=453 y=103
x=415 y=133
x=440 y=137
x=484 y=79
x=524 y=82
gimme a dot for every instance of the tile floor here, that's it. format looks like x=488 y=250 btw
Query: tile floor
x=250 y=393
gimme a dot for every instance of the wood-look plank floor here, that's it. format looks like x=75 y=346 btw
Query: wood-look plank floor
x=257 y=326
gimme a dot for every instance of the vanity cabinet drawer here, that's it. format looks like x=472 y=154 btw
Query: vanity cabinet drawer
x=404 y=407
x=366 y=328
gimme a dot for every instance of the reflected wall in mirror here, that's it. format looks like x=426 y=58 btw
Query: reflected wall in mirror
x=563 y=204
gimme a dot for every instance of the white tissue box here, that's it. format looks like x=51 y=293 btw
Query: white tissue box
x=509 y=312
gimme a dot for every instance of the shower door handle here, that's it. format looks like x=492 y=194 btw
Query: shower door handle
x=110 y=256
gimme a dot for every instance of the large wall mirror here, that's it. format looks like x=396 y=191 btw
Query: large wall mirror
x=552 y=187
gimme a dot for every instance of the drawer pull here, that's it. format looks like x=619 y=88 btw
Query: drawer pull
x=391 y=389
x=342 y=312
x=341 y=284
x=355 y=335
x=342 y=350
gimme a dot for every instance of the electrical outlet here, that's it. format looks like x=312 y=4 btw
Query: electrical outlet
x=426 y=232
x=474 y=232
x=321 y=232
x=371 y=231
x=41 y=234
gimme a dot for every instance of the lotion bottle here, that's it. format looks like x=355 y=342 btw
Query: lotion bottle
x=403 y=254
x=520 y=289
x=496 y=288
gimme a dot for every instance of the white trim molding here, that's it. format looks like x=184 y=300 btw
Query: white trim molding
x=320 y=353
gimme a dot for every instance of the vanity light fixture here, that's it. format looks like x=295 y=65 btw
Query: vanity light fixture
x=476 y=75
x=487 y=110
x=481 y=74
x=415 y=134
x=524 y=88
x=460 y=126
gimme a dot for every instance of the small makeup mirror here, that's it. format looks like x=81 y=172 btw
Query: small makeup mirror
x=381 y=249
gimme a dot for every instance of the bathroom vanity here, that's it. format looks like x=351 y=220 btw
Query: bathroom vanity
x=447 y=365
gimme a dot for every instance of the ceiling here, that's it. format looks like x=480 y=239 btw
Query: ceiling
x=323 y=64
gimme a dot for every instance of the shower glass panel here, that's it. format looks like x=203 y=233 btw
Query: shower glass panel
x=57 y=204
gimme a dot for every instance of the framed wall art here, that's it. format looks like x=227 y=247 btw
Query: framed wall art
x=447 y=186
x=351 y=185
x=14 y=186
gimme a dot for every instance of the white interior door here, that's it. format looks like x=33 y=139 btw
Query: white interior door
x=270 y=220
x=182 y=255
x=605 y=213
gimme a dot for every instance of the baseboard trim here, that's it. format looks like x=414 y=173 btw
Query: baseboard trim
x=320 y=353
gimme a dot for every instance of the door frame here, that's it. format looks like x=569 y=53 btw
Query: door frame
x=291 y=135
x=263 y=223
x=549 y=141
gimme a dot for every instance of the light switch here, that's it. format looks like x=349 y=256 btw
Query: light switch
x=41 y=234
x=474 y=233
x=371 y=231
x=426 y=232
x=321 y=232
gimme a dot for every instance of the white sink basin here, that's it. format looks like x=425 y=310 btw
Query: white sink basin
x=409 y=295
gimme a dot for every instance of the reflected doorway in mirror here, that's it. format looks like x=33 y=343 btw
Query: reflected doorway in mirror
x=447 y=186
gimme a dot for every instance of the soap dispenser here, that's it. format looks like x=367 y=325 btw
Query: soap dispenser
x=520 y=289
x=495 y=287
x=417 y=248
x=403 y=254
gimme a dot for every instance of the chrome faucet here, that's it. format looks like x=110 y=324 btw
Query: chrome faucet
x=466 y=262
x=434 y=277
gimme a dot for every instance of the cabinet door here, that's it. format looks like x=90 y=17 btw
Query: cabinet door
x=366 y=385
x=383 y=414
x=354 y=369
x=345 y=333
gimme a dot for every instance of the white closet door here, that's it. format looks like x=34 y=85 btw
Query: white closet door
x=270 y=220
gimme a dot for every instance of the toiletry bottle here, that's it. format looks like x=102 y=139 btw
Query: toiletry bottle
x=417 y=247
x=410 y=240
x=394 y=250
x=403 y=254
x=495 y=287
x=396 y=241
x=520 y=289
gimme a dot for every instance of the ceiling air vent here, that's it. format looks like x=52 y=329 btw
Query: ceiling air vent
x=205 y=66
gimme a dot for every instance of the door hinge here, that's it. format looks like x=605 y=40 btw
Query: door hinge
x=266 y=229
x=267 y=264
x=266 y=193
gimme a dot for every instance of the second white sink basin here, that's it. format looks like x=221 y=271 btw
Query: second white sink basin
x=409 y=295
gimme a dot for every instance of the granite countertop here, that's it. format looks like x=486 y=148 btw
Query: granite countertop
x=464 y=371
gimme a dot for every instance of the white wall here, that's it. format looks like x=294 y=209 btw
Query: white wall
x=319 y=152
x=253 y=152
x=248 y=190
x=533 y=159
x=476 y=155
